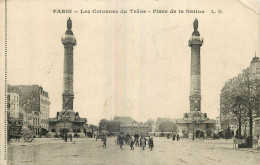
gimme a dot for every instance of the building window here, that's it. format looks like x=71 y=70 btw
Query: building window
x=257 y=70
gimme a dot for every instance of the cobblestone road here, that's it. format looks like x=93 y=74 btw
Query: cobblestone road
x=167 y=152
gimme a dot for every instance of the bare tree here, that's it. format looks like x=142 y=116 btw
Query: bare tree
x=249 y=92
x=231 y=103
x=241 y=101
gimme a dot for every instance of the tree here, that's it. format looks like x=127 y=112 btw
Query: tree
x=241 y=101
x=167 y=126
x=232 y=106
x=150 y=123
x=111 y=126
x=103 y=124
x=249 y=89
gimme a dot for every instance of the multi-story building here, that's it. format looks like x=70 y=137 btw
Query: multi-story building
x=132 y=127
x=44 y=109
x=13 y=105
x=34 y=104
x=227 y=119
x=218 y=126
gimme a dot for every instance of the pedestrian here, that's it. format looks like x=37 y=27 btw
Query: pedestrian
x=150 y=143
x=173 y=137
x=178 y=137
x=132 y=143
x=70 y=136
x=121 y=141
x=104 y=139
x=141 y=135
x=96 y=136
x=65 y=137
x=136 y=136
x=117 y=140
x=142 y=142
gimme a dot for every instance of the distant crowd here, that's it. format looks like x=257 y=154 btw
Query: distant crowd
x=136 y=140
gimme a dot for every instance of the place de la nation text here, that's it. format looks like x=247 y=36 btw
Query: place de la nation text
x=130 y=11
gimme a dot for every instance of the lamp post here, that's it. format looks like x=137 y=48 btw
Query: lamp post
x=193 y=122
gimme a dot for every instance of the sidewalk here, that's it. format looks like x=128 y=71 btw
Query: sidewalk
x=223 y=143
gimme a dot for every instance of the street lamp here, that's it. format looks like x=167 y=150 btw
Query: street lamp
x=193 y=122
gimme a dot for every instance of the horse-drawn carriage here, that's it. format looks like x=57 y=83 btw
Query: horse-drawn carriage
x=17 y=131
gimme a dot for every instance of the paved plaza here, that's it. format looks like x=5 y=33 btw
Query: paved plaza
x=88 y=151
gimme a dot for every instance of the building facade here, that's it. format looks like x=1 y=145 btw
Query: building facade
x=132 y=127
x=34 y=105
x=13 y=105
x=218 y=126
x=195 y=124
x=44 y=109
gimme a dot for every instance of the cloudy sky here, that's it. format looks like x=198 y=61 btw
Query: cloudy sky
x=134 y=65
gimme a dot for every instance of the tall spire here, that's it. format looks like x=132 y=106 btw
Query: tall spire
x=69 y=26
x=255 y=59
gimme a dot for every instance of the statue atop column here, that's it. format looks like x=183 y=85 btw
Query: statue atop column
x=69 y=26
x=195 y=26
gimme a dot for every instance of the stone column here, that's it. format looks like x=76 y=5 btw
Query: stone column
x=69 y=42
x=195 y=86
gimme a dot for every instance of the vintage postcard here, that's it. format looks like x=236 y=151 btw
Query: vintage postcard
x=95 y=82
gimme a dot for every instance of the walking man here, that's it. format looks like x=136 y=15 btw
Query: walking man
x=178 y=137
x=65 y=137
x=142 y=142
x=136 y=139
x=150 y=142
x=132 y=143
x=104 y=139
x=173 y=137
x=70 y=136
x=121 y=140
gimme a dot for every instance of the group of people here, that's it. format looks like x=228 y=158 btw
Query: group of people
x=67 y=136
x=175 y=136
x=121 y=140
x=136 y=141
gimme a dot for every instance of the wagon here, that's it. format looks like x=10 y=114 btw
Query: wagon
x=17 y=131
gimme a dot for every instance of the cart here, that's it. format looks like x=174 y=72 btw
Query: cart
x=17 y=131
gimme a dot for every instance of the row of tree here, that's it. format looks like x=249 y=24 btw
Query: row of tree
x=114 y=126
x=240 y=102
x=109 y=125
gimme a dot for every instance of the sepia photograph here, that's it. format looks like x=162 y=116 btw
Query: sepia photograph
x=151 y=82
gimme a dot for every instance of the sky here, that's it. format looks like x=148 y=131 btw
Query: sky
x=134 y=65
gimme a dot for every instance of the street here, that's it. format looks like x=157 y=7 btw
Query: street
x=88 y=151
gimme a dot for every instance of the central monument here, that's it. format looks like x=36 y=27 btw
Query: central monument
x=195 y=124
x=195 y=91
x=67 y=97
x=68 y=121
